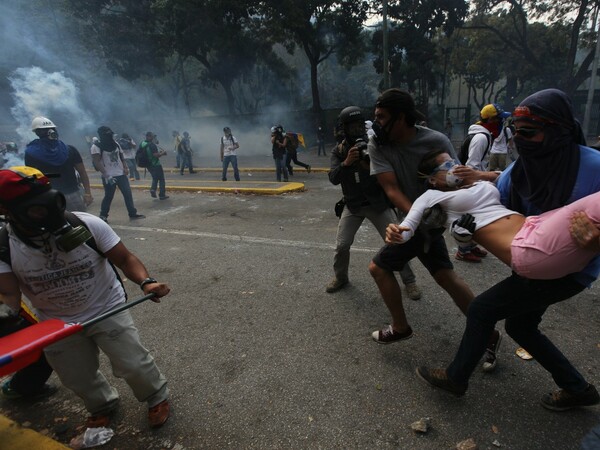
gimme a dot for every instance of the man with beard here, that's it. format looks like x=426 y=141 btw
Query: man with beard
x=108 y=159
x=51 y=155
x=554 y=168
x=396 y=151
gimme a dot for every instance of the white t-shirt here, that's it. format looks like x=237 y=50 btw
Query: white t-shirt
x=112 y=161
x=500 y=144
x=229 y=145
x=74 y=286
x=482 y=201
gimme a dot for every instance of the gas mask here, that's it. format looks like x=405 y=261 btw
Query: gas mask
x=45 y=213
x=451 y=179
x=47 y=133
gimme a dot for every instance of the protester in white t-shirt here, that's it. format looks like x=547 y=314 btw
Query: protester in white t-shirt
x=66 y=277
x=108 y=159
x=229 y=146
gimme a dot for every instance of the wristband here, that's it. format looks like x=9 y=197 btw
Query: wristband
x=147 y=281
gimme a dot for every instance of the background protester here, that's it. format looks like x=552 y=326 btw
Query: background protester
x=228 y=151
x=128 y=146
x=51 y=155
x=108 y=159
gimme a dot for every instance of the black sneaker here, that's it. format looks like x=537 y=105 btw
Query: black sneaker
x=439 y=379
x=562 y=400
x=137 y=216
x=163 y=198
x=46 y=391
x=490 y=359
x=104 y=218
x=153 y=194
x=388 y=335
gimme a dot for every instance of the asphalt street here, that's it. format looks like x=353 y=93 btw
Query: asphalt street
x=258 y=355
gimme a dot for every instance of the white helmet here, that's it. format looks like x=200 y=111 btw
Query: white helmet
x=41 y=122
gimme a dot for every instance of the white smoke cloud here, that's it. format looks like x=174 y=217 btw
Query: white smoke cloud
x=40 y=93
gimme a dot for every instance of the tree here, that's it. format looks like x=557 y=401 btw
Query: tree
x=321 y=28
x=123 y=34
x=564 y=19
x=413 y=47
x=225 y=36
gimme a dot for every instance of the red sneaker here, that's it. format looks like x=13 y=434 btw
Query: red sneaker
x=158 y=415
x=467 y=257
x=98 y=421
x=479 y=252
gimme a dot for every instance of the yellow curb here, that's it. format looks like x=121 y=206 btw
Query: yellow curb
x=14 y=437
x=256 y=187
x=241 y=169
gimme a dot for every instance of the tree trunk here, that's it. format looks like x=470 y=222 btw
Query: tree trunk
x=314 y=85
x=510 y=93
x=229 y=93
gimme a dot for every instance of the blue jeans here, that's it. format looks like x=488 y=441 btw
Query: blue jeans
x=186 y=161
x=158 y=180
x=522 y=302
x=109 y=192
x=233 y=160
x=280 y=168
x=133 y=172
x=321 y=147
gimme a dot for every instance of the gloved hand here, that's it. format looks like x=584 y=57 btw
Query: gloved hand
x=462 y=229
x=433 y=218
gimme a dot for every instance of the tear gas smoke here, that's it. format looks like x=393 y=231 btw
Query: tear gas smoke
x=39 y=93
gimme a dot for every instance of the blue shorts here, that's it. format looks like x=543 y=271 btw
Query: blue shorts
x=393 y=257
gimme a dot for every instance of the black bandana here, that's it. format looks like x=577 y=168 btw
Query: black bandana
x=545 y=175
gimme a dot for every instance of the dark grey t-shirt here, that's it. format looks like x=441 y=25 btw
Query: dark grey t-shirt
x=403 y=160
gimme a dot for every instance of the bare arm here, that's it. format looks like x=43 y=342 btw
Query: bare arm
x=470 y=175
x=87 y=196
x=134 y=269
x=98 y=164
x=10 y=292
x=389 y=183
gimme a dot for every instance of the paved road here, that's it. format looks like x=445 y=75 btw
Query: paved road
x=259 y=356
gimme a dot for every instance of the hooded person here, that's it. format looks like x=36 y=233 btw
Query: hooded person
x=481 y=136
x=554 y=169
x=64 y=264
x=109 y=160
x=50 y=155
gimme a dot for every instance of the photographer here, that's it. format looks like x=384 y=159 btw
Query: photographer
x=363 y=198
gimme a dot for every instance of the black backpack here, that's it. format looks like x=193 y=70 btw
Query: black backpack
x=463 y=152
x=141 y=156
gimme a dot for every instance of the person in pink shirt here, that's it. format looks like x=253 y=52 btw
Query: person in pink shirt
x=536 y=247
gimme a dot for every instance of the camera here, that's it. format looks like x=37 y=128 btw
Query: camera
x=363 y=151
